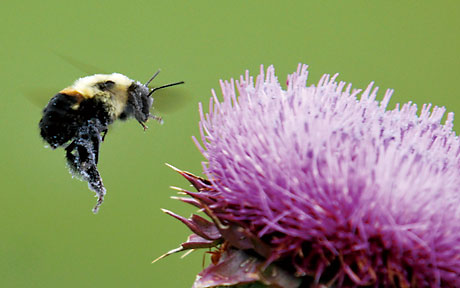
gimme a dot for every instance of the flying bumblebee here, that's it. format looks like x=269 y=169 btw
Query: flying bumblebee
x=78 y=117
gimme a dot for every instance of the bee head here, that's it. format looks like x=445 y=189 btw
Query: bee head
x=140 y=100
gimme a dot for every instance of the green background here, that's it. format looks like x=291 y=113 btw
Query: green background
x=49 y=237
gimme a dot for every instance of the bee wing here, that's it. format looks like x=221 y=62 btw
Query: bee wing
x=38 y=96
x=85 y=67
x=41 y=96
x=169 y=100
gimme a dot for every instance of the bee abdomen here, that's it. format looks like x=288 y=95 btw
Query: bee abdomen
x=60 y=121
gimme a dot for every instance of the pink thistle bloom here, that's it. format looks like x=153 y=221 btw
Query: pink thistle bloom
x=326 y=186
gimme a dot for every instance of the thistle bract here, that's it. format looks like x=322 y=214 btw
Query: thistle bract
x=325 y=185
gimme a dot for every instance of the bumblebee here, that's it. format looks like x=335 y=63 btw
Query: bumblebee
x=77 y=118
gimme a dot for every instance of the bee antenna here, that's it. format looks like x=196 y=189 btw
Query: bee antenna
x=164 y=86
x=153 y=77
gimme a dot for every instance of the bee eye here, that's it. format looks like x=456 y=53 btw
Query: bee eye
x=103 y=86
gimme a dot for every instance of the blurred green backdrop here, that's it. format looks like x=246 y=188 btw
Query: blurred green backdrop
x=49 y=237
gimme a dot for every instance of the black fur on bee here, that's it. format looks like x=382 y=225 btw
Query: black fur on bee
x=61 y=123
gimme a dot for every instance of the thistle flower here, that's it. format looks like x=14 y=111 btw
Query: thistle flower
x=314 y=185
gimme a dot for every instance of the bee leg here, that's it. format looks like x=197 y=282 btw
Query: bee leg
x=94 y=180
x=92 y=139
x=157 y=118
x=71 y=158
x=95 y=141
x=143 y=125
x=82 y=156
x=104 y=132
